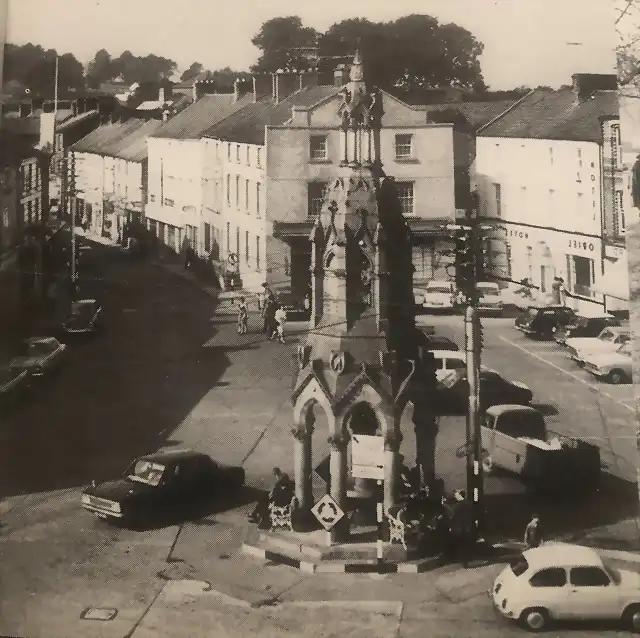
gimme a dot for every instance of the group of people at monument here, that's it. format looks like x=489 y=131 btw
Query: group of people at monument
x=273 y=315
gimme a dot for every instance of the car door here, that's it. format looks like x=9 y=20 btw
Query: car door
x=509 y=451
x=488 y=435
x=548 y=588
x=592 y=594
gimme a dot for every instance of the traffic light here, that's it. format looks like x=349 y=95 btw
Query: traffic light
x=464 y=261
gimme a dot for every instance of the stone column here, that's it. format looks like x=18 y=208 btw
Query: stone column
x=392 y=442
x=302 y=465
x=338 y=470
x=352 y=141
x=344 y=143
x=366 y=153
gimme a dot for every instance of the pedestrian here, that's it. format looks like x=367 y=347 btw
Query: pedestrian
x=188 y=256
x=263 y=296
x=281 y=494
x=555 y=291
x=461 y=529
x=533 y=533
x=280 y=317
x=268 y=314
x=562 y=292
x=243 y=316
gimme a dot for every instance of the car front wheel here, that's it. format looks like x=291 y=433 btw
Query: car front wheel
x=616 y=377
x=535 y=620
x=631 y=618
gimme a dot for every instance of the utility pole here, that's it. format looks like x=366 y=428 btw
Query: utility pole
x=72 y=204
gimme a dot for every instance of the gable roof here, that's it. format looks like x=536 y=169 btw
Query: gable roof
x=247 y=125
x=194 y=120
x=98 y=141
x=133 y=147
x=77 y=119
x=555 y=115
x=478 y=114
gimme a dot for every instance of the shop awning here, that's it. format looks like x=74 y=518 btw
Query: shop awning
x=615 y=281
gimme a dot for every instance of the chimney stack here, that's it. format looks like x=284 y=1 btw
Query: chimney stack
x=341 y=75
x=161 y=95
x=263 y=86
x=309 y=78
x=24 y=110
x=203 y=87
x=285 y=83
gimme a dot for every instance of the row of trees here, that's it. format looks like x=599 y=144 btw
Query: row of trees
x=414 y=51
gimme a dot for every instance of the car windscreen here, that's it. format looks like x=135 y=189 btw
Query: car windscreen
x=519 y=424
x=607 y=335
x=147 y=472
x=532 y=313
x=519 y=565
x=580 y=322
x=438 y=289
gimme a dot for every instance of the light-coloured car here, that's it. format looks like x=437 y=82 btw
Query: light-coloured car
x=43 y=354
x=560 y=581
x=489 y=297
x=439 y=295
x=614 y=367
x=450 y=366
x=609 y=340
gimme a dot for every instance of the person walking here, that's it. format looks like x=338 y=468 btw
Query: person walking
x=243 y=316
x=264 y=296
x=555 y=291
x=268 y=310
x=280 y=317
x=533 y=533
x=188 y=257
x=461 y=529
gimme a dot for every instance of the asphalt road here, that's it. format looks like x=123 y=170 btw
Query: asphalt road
x=167 y=372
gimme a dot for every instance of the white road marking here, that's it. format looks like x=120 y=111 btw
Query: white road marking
x=569 y=374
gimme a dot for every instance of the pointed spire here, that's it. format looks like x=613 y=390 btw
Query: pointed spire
x=357 y=72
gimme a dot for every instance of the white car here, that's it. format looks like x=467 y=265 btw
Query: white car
x=614 y=367
x=439 y=295
x=489 y=297
x=559 y=581
x=609 y=340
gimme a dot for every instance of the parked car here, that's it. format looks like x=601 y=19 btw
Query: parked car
x=541 y=322
x=294 y=306
x=489 y=297
x=439 y=296
x=516 y=439
x=453 y=392
x=158 y=484
x=15 y=383
x=437 y=342
x=609 y=340
x=614 y=367
x=42 y=355
x=560 y=581
x=450 y=364
x=84 y=317
x=585 y=324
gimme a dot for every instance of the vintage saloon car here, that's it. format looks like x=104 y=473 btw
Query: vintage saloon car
x=614 y=367
x=541 y=322
x=159 y=484
x=42 y=355
x=609 y=340
x=83 y=318
x=14 y=383
x=585 y=324
x=489 y=297
x=515 y=438
x=560 y=581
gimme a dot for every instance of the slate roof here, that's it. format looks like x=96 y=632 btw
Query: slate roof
x=247 y=125
x=14 y=149
x=98 y=141
x=193 y=121
x=133 y=147
x=72 y=121
x=478 y=114
x=556 y=115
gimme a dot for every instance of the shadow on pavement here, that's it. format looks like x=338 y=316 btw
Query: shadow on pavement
x=546 y=409
x=120 y=395
x=560 y=514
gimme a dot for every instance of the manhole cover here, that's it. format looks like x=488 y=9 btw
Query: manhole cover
x=99 y=613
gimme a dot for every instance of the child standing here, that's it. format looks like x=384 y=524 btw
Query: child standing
x=280 y=317
x=243 y=316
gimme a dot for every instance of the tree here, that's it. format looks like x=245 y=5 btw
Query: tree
x=100 y=69
x=150 y=68
x=628 y=46
x=283 y=42
x=192 y=72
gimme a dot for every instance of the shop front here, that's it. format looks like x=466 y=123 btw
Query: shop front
x=615 y=282
x=541 y=254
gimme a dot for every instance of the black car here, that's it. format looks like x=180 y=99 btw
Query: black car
x=294 y=306
x=585 y=325
x=437 y=342
x=83 y=318
x=161 y=484
x=15 y=383
x=494 y=390
x=541 y=322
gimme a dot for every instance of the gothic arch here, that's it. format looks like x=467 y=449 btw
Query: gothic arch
x=369 y=395
x=311 y=395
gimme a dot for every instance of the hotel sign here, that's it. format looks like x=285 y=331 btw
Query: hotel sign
x=582 y=244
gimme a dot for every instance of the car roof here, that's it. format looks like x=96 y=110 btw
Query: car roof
x=42 y=339
x=487 y=284
x=451 y=354
x=562 y=555
x=549 y=307
x=497 y=410
x=440 y=282
x=592 y=313
x=171 y=456
x=84 y=302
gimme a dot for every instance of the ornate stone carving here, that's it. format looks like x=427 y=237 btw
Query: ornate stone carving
x=303 y=356
x=337 y=361
x=338 y=442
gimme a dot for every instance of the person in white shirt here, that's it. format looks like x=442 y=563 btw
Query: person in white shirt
x=280 y=317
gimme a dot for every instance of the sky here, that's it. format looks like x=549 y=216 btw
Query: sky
x=530 y=42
